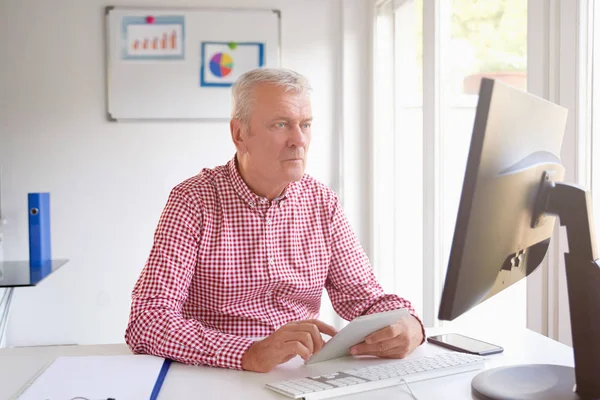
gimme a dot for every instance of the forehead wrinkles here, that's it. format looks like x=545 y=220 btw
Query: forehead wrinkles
x=293 y=108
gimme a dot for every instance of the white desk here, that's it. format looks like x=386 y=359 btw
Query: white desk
x=17 y=365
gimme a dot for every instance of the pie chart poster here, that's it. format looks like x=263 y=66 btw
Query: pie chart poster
x=222 y=63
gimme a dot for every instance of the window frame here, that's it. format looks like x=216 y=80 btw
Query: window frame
x=558 y=69
x=561 y=74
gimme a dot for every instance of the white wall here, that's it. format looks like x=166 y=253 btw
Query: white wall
x=109 y=181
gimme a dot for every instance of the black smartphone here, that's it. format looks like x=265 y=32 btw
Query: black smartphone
x=465 y=344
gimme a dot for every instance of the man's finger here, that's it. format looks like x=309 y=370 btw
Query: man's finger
x=386 y=333
x=315 y=327
x=296 y=348
x=323 y=327
x=396 y=352
x=316 y=341
x=313 y=330
x=375 y=349
x=300 y=336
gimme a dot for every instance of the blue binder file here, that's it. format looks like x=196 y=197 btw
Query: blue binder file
x=39 y=229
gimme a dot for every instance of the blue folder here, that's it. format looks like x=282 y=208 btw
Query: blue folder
x=39 y=229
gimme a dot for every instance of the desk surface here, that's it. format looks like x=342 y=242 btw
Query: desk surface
x=17 y=365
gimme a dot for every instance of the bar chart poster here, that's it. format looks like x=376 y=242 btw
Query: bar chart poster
x=153 y=37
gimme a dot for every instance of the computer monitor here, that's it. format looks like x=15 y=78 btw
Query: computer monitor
x=512 y=193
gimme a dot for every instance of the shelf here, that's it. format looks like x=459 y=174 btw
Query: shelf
x=19 y=273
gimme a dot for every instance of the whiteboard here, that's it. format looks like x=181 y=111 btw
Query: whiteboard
x=180 y=63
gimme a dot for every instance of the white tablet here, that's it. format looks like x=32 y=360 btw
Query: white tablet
x=355 y=333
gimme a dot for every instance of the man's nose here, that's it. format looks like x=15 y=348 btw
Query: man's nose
x=297 y=137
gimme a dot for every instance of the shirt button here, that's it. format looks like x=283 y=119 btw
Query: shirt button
x=271 y=261
x=268 y=221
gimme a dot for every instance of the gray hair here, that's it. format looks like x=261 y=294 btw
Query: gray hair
x=244 y=86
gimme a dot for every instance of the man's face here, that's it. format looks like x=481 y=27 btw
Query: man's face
x=279 y=132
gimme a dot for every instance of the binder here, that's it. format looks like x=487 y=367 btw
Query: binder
x=39 y=229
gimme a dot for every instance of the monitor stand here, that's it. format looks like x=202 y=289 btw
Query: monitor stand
x=572 y=205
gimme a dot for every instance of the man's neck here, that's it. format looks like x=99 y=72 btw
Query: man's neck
x=259 y=184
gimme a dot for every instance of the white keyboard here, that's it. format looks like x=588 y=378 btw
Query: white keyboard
x=377 y=376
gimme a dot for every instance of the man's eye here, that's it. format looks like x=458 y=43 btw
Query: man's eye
x=306 y=126
x=280 y=124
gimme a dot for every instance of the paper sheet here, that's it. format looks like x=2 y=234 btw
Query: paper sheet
x=96 y=377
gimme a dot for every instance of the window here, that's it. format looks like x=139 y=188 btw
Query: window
x=398 y=169
x=426 y=84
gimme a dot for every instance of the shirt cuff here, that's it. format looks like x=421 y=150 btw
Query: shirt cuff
x=231 y=352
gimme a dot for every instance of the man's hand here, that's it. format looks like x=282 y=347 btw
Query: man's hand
x=301 y=338
x=395 y=341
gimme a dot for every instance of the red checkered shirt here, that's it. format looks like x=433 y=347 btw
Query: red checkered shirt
x=227 y=265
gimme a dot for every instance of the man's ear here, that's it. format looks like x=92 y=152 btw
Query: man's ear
x=237 y=134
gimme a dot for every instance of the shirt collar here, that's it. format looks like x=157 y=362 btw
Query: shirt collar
x=251 y=198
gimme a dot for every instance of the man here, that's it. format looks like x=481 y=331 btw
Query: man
x=242 y=252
